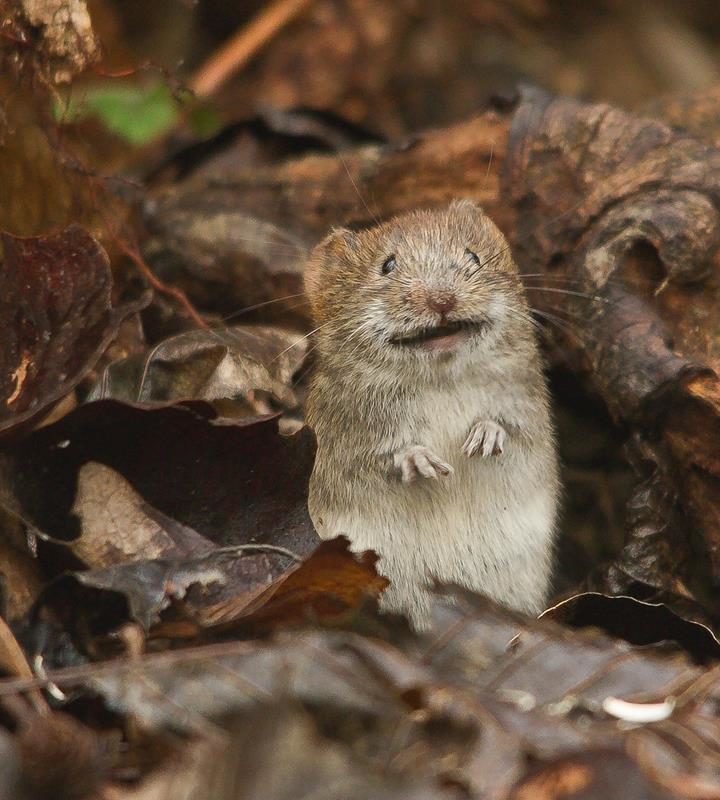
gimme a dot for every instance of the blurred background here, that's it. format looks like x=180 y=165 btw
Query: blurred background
x=396 y=67
x=392 y=67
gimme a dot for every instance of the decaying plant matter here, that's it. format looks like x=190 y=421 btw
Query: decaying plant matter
x=613 y=220
x=171 y=623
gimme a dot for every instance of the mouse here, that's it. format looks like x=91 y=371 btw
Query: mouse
x=429 y=402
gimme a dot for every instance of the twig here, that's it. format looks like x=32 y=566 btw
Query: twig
x=243 y=45
x=13 y=661
x=133 y=254
x=97 y=191
x=257 y=548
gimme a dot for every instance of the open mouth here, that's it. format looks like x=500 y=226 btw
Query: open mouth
x=439 y=336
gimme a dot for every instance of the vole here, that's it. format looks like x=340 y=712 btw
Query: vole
x=436 y=447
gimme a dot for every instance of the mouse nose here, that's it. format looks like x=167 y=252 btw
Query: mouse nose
x=442 y=302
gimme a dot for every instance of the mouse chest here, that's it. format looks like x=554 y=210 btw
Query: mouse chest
x=442 y=420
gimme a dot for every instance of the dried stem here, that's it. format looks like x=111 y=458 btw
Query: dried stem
x=133 y=254
x=244 y=44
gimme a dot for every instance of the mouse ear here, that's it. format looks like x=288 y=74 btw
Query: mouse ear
x=341 y=237
x=466 y=205
x=338 y=241
x=323 y=260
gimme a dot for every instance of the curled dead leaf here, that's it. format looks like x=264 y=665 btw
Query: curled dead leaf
x=57 y=319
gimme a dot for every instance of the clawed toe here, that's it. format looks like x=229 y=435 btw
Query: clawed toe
x=486 y=437
x=421 y=462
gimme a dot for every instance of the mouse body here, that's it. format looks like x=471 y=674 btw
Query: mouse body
x=429 y=403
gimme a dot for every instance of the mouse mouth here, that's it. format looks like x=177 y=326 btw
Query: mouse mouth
x=439 y=337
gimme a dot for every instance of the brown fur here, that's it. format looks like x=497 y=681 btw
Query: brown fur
x=382 y=411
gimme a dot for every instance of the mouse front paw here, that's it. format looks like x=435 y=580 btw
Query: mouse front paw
x=486 y=437
x=420 y=462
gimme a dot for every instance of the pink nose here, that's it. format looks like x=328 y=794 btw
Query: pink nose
x=442 y=302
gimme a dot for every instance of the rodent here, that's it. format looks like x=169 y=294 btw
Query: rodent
x=436 y=446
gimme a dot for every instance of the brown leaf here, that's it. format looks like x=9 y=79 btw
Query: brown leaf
x=234 y=362
x=695 y=112
x=91 y=604
x=9 y=767
x=640 y=623
x=231 y=482
x=329 y=585
x=625 y=208
x=13 y=662
x=117 y=525
x=275 y=134
x=186 y=689
x=228 y=258
x=487 y=701
x=119 y=482
x=56 y=314
x=20 y=576
x=60 y=758
x=276 y=751
x=225 y=591
x=593 y=775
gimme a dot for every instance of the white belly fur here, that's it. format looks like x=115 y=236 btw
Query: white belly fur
x=488 y=527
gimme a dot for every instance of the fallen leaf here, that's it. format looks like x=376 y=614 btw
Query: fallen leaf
x=327 y=586
x=622 y=208
x=228 y=591
x=232 y=363
x=14 y=662
x=593 y=775
x=116 y=524
x=56 y=313
x=237 y=482
x=276 y=751
x=638 y=622
x=488 y=701
x=99 y=601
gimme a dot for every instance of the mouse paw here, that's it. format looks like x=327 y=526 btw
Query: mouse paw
x=418 y=461
x=486 y=437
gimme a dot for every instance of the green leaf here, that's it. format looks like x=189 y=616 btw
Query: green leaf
x=205 y=121
x=136 y=112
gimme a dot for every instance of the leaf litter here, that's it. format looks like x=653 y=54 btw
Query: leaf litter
x=182 y=631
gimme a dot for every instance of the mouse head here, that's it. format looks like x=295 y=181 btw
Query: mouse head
x=424 y=285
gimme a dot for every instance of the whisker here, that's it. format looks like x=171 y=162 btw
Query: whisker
x=563 y=324
x=527 y=317
x=555 y=290
x=518 y=312
x=620 y=283
x=248 y=309
x=359 y=330
x=557 y=278
x=490 y=160
x=357 y=190
x=297 y=342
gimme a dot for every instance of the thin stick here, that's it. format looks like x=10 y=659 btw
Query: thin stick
x=243 y=45
x=238 y=549
x=133 y=254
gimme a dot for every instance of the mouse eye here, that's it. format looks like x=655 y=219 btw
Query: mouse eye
x=389 y=265
x=473 y=257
